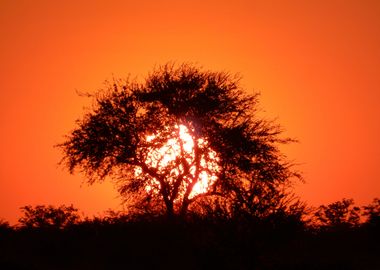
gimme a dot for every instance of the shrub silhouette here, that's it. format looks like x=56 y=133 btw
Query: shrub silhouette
x=372 y=212
x=338 y=215
x=43 y=217
x=4 y=226
x=116 y=240
x=123 y=135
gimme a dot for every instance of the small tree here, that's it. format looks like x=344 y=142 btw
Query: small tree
x=340 y=214
x=4 y=226
x=42 y=216
x=184 y=135
x=372 y=212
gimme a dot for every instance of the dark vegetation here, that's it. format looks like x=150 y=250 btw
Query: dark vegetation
x=120 y=138
x=247 y=218
x=326 y=238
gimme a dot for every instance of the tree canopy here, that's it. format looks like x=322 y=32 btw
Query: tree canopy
x=42 y=216
x=338 y=214
x=183 y=138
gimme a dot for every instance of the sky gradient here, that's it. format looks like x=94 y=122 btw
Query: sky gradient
x=315 y=63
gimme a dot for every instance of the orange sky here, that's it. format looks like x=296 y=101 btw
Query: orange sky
x=316 y=64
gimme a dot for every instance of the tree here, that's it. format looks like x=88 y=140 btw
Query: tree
x=372 y=212
x=340 y=214
x=184 y=135
x=4 y=226
x=42 y=216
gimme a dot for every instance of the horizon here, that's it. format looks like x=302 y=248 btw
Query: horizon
x=316 y=66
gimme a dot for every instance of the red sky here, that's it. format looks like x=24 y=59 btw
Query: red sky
x=316 y=64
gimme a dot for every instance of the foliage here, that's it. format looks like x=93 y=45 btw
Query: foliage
x=42 y=216
x=339 y=214
x=199 y=242
x=372 y=212
x=4 y=226
x=117 y=240
x=122 y=135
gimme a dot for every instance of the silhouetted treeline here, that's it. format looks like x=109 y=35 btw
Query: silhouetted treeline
x=335 y=236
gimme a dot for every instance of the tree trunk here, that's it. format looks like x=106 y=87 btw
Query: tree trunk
x=184 y=208
x=169 y=209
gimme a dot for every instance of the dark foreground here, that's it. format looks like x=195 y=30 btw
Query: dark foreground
x=159 y=244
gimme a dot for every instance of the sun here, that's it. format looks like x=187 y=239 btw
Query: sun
x=171 y=156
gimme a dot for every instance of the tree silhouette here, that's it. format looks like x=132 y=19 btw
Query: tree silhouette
x=372 y=212
x=42 y=216
x=184 y=135
x=4 y=226
x=340 y=214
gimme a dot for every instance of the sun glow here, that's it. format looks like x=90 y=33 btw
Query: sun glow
x=176 y=157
